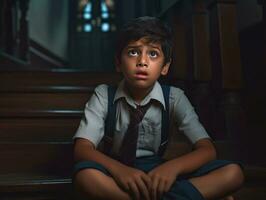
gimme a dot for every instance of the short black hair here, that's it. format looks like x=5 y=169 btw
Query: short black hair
x=150 y=28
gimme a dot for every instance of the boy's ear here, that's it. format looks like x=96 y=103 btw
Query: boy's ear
x=165 y=68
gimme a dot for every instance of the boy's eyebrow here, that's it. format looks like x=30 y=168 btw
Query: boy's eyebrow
x=138 y=46
x=133 y=46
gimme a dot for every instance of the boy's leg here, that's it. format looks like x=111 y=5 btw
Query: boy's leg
x=93 y=184
x=92 y=180
x=216 y=179
x=220 y=182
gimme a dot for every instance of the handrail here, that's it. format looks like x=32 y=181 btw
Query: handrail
x=14 y=28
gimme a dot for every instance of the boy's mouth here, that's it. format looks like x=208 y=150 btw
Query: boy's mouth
x=141 y=75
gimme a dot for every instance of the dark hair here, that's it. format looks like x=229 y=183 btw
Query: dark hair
x=152 y=29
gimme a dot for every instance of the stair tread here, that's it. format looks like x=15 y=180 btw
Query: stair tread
x=30 y=182
x=32 y=179
x=251 y=172
x=14 y=182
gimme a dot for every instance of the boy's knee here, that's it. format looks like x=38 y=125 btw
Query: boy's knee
x=234 y=174
x=85 y=181
x=94 y=184
x=84 y=175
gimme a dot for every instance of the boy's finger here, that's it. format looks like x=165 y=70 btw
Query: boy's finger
x=154 y=188
x=167 y=187
x=160 y=189
x=147 y=181
x=143 y=189
x=134 y=190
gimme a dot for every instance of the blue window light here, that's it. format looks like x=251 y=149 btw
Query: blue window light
x=105 y=15
x=87 y=28
x=104 y=7
x=87 y=7
x=87 y=16
x=105 y=27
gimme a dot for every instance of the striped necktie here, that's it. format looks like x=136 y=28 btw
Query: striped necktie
x=128 y=148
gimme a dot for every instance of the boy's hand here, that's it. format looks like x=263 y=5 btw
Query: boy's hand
x=133 y=181
x=162 y=179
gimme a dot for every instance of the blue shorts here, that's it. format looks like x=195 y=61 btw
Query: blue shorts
x=182 y=189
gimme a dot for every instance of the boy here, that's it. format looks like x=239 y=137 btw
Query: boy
x=143 y=54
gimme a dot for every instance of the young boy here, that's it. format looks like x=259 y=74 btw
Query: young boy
x=143 y=54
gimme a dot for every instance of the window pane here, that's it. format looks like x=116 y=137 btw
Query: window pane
x=98 y=15
x=105 y=15
x=88 y=7
x=104 y=7
x=87 y=28
x=105 y=27
x=87 y=16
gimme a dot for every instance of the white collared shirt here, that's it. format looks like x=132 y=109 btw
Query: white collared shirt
x=182 y=118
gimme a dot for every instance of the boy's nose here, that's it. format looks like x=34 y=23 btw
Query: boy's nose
x=140 y=64
x=142 y=61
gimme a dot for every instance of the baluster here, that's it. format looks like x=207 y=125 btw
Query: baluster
x=23 y=48
x=201 y=66
x=227 y=73
x=8 y=29
x=2 y=6
x=180 y=63
x=225 y=45
x=263 y=4
x=201 y=51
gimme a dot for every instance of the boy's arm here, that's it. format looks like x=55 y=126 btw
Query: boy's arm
x=203 y=152
x=129 y=179
x=164 y=175
x=85 y=150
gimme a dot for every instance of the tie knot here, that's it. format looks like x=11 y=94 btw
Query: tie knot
x=137 y=114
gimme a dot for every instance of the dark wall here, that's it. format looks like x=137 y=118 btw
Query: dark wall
x=48 y=25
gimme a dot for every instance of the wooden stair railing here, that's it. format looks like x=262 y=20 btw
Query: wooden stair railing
x=14 y=37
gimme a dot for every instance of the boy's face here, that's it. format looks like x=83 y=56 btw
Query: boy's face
x=142 y=63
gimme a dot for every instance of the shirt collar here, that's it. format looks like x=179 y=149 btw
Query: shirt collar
x=155 y=94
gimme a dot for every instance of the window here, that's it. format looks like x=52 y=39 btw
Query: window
x=93 y=28
x=96 y=15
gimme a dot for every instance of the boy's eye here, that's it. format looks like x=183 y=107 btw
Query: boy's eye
x=153 y=54
x=132 y=52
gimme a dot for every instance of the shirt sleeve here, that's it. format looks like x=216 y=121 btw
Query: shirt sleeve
x=185 y=116
x=92 y=124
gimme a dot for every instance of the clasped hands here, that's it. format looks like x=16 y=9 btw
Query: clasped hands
x=149 y=186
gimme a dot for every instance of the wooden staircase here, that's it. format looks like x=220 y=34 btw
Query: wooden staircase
x=39 y=114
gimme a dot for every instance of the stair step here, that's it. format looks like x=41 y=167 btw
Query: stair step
x=255 y=192
x=33 y=186
x=255 y=175
x=33 y=182
x=255 y=184
x=42 y=104
x=30 y=130
x=56 y=187
x=39 y=158
x=36 y=81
